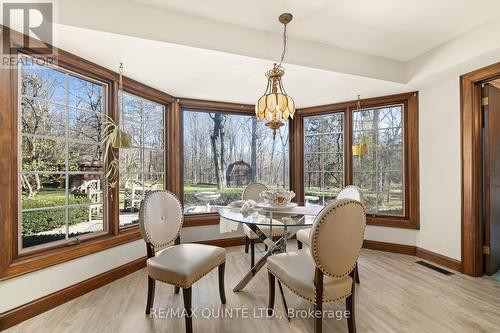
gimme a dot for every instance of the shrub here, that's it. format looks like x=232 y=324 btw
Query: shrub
x=44 y=220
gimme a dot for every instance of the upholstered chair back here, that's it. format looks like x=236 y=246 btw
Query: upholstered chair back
x=160 y=218
x=352 y=192
x=336 y=237
x=252 y=192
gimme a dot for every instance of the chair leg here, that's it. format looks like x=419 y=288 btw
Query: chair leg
x=151 y=294
x=318 y=305
x=176 y=290
x=265 y=247
x=349 y=305
x=270 y=307
x=252 y=253
x=247 y=242
x=299 y=244
x=186 y=293
x=222 y=292
x=356 y=273
x=285 y=306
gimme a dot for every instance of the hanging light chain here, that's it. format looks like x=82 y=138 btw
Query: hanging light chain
x=284 y=45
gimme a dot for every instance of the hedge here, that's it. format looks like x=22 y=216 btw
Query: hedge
x=44 y=220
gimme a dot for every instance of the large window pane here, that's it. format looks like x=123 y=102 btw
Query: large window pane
x=378 y=167
x=61 y=171
x=225 y=152
x=142 y=167
x=323 y=157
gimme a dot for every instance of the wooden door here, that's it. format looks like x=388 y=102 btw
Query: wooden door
x=491 y=172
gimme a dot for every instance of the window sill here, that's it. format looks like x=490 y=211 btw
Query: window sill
x=27 y=263
x=392 y=222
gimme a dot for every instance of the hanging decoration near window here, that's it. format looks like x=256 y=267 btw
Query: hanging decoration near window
x=114 y=138
x=275 y=106
x=360 y=148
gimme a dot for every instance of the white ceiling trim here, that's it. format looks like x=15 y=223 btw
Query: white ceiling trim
x=145 y=21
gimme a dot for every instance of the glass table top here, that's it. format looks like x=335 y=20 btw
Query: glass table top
x=299 y=216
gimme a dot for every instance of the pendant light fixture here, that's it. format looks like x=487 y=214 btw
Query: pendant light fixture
x=275 y=106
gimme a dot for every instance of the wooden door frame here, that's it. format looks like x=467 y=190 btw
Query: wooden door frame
x=471 y=147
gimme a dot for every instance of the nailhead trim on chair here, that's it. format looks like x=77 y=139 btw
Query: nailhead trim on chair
x=315 y=236
x=195 y=280
x=249 y=185
x=361 y=196
x=142 y=223
x=305 y=297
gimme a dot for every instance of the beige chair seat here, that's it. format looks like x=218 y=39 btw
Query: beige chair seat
x=296 y=271
x=276 y=231
x=184 y=264
x=303 y=236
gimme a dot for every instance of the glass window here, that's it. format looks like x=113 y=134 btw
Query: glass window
x=323 y=157
x=378 y=156
x=225 y=152
x=142 y=167
x=62 y=188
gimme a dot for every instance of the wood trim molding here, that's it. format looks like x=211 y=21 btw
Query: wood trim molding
x=197 y=220
x=367 y=103
x=197 y=104
x=471 y=149
x=439 y=259
x=38 y=306
x=224 y=242
x=390 y=247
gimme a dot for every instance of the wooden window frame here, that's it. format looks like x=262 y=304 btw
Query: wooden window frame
x=13 y=263
x=202 y=219
x=410 y=220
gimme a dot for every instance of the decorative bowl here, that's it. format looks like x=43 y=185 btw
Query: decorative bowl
x=277 y=197
x=207 y=196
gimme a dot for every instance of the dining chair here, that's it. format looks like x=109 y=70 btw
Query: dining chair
x=325 y=271
x=349 y=192
x=252 y=192
x=169 y=261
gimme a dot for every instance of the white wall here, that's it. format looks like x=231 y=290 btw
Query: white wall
x=440 y=168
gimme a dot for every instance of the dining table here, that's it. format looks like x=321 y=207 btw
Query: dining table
x=291 y=219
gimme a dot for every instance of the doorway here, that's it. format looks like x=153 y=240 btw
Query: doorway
x=475 y=233
x=490 y=97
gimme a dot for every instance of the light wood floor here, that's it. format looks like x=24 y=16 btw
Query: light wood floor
x=395 y=295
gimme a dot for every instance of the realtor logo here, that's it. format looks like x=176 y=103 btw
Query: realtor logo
x=34 y=20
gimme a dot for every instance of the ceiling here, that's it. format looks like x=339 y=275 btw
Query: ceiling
x=184 y=71
x=396 y=29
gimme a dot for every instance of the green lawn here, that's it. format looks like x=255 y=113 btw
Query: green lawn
x=227 y=195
